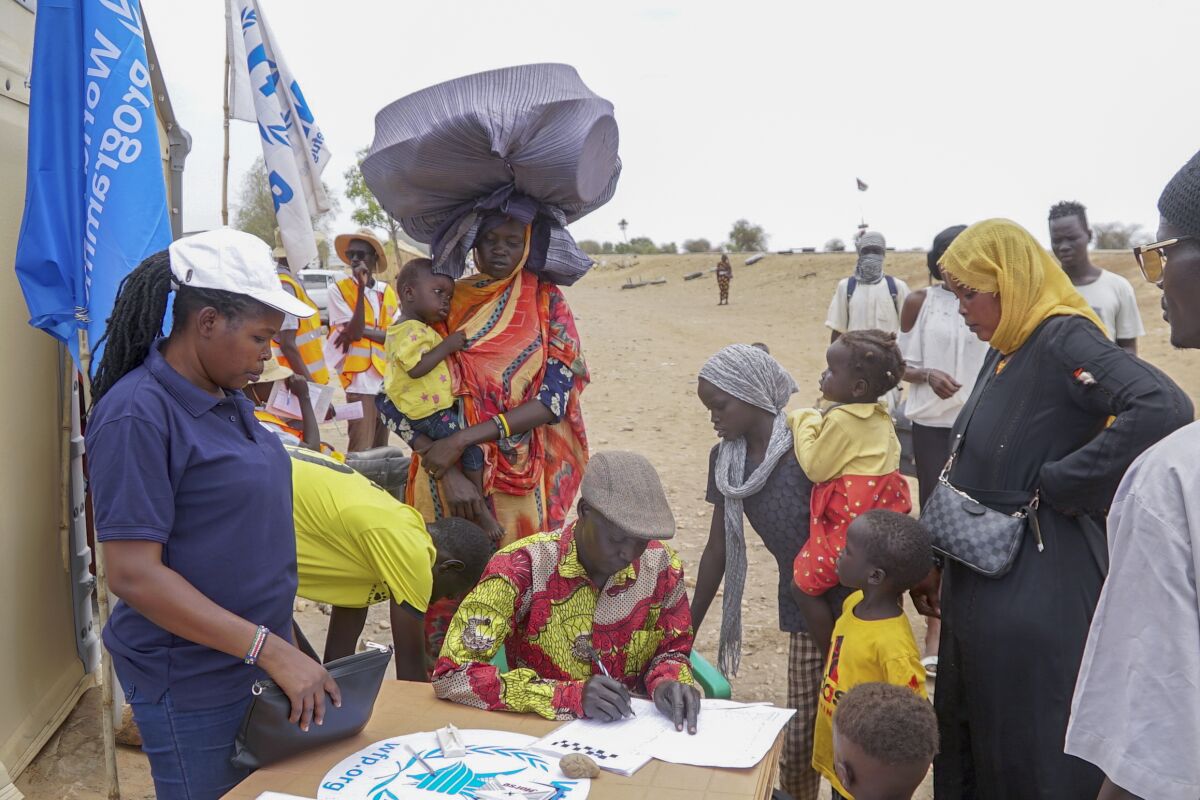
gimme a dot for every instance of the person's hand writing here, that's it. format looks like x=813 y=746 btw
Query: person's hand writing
x=605 y=699
x=942 y=384
x=461 y=495
x=679 y=703
x=926 y=594
x=457 y=341
x=304 y=681
x=441 y=456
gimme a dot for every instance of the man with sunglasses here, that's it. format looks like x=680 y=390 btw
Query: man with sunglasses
x=1136 y=713
x=1109 y=294
x=360 y=310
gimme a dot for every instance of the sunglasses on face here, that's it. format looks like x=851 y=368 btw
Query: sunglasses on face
x=1152 y=258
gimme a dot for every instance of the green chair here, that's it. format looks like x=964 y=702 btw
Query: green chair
x=709 y=677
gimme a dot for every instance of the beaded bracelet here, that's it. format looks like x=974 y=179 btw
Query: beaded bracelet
x=502 y=423
x=260 y=639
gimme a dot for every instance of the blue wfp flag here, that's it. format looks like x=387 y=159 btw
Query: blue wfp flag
x=95 y=197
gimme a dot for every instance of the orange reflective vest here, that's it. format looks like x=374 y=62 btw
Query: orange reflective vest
x=364 y=353
x=310 y=341
x=262 y=415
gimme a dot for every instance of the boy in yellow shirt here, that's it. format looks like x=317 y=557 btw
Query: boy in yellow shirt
x=420 y=405
x=886 y=554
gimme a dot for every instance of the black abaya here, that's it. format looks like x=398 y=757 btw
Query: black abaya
x=1011 y=647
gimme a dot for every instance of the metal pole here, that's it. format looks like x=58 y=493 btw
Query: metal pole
x=112 y=781
x=225 y=169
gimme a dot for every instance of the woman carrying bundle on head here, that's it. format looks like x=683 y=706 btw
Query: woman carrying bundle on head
x=849 y=450
x=495 y=166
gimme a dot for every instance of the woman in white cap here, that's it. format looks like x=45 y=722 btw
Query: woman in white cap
x=193 y=504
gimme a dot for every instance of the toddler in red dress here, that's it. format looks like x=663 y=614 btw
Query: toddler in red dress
x=850 y=452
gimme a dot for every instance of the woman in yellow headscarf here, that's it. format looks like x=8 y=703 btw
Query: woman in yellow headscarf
x=1038 y=422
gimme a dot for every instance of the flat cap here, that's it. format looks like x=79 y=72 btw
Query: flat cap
x=625 y=489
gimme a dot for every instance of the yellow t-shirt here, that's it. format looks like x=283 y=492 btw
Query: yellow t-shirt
x=356 y=545
x=417 y=398
x=863 y=651
x=852 y=439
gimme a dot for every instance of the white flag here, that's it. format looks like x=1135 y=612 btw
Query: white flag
x=264 y=91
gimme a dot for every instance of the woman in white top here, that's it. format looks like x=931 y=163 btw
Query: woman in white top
x=943 y=359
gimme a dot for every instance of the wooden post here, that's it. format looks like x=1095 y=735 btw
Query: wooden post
x=225 y=168
x=112 y=781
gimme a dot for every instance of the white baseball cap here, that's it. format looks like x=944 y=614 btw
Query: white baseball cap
x=233 y=261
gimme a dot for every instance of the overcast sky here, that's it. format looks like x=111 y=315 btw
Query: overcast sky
x=951 y=111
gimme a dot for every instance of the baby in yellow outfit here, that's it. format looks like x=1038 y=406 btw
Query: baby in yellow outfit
x=419 y=402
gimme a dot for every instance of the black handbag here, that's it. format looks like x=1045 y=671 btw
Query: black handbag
x=966 y=530
x=266 y=735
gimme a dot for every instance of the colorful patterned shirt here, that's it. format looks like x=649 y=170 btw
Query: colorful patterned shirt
x=537 y=600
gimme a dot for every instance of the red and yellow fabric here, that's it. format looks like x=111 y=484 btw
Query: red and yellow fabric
x=364 y=353
x=513 y=327
x=537 y=600
x=287 y=426
x=852 y=455
x=310 y=341
x=835 y=504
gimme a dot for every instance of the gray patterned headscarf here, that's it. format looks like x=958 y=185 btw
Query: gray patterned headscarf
x=753 y=377
x=869 y=268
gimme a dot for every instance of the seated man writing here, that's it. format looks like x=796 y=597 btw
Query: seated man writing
x=356 y=545
x=602 y=597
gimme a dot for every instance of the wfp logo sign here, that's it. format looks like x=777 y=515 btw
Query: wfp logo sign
x=495 y=760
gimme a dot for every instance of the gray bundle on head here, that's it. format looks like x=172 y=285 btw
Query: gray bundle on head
x=753 y=377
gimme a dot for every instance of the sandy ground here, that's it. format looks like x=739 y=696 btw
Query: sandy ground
x=644 y=347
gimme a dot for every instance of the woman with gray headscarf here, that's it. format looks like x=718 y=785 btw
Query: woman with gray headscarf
x=753 y=474
x=868 y=299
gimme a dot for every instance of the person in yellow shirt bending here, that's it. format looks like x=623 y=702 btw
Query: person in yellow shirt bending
x=886 y=554
x=418 y=401
x=356 y=545
x=850 y=452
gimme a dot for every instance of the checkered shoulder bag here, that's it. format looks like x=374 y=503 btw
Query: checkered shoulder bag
x=966 y=530
x=969 y=532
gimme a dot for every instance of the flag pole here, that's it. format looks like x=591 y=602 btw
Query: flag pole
x=107 y=715
x=225 y=169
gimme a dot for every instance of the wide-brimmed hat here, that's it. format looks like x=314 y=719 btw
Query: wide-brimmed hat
x=236 y=262
x=625 y=489
x=274 y=371
x=343 y=241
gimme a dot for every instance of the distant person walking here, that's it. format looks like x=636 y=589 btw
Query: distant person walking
x=868 y=299
x=724 y=276
x=1109 y=295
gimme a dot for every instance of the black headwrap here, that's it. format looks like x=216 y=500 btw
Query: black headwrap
x=1179 y=203
x=940 y=243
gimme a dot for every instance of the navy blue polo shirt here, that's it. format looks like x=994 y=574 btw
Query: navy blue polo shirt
x=170 y=463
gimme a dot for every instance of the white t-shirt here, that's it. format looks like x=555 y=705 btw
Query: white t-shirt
x=1113 y=300
x=870 y=307
x=1136 y=712
x=941 y=340
x=370 y=380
